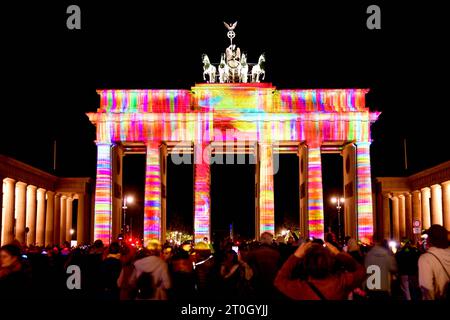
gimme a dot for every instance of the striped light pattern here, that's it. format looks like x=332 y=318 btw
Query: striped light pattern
x=364 y=190
x=134 y=101
x=266 y=195
x=205 y=113
x=354 y=126
x=322 y=100
x=152 y=197
x=315 y=193
x=103 y=194
x=202 y=200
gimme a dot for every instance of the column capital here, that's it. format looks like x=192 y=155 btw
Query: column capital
x=445 y=183
x=63 y=196
x=158 y=143
x=31 y=187
x=435 y=186
x=425 y=189
x=103 y=143
x=386 y=195
x=401 y=196
x=313 y=143
x=416 y=192
x=41 y=190
x=9 y=180
x=50 y=193
x=21 y=184
x=358 y=143
x=78 y=195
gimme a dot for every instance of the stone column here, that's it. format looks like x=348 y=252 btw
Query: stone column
x=81 y=220
x=386 y=216
x=40 y=223
x=364 y=192
x=103 y=194
x=416 y=205
x=152 y=204
x=315 y=192
x=69 y=214
x=163 y=161
x=436 y=204
x=8 y=211
x=303 y=177
x=425 y=199
x=395 y=218
x=57 y=219
x=408 y=209
x=446 y=203
x=62 y=227
x=49 y=218
x=350 y=194
x=31 y=215
x=202 y=198
x=21 y=196
x=402 y=215
x=117 y=191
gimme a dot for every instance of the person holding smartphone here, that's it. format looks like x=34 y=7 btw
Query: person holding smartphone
x=322 y=281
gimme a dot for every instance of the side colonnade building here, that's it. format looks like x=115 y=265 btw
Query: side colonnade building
x=422 y=199
x=38 y=208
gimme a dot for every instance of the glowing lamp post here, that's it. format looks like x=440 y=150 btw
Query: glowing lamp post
x=339 y=201
x=126 y=200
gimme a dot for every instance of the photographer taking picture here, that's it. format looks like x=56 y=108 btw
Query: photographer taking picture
x=322 y=281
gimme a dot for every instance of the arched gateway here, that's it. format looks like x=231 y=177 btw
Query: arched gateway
x=249 y=117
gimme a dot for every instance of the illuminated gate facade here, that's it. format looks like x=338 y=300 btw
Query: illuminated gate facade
x=244 y=117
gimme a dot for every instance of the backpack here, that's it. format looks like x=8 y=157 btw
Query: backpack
x=145 y=286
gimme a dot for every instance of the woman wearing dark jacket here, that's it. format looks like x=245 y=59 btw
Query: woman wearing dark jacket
x=14 y=280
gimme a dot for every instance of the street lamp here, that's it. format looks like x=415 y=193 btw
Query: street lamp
x=339 y=201
x=126 y=200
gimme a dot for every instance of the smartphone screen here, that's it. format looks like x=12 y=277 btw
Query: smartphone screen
x=235 y=249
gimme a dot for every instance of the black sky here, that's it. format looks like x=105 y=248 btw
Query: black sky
x=50 y=73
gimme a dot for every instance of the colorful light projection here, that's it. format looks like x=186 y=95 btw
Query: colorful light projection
x=258 y=110
x=315 y=193
x=266 y=198
x=103 y=194
x=202 y=200
x=354 y=126
x=322 y=100
x=152 y=196
x=364 y=190
x=132 y=101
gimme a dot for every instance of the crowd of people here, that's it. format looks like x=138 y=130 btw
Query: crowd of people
x=269 y=269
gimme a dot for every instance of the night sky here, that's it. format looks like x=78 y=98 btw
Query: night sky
x=50 y=75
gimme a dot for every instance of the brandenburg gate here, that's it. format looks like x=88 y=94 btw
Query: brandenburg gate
x=306 y=122
x=264 y=121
